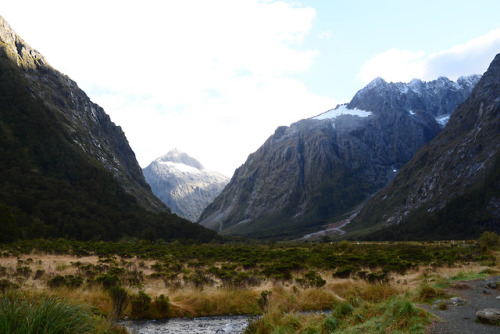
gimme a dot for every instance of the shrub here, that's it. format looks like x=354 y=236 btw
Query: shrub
x=264 y=299
x=489 y=240
x=380 y=276
x=107 y=280
x=73 y=281
x=162 y=305
x=119 y=299
x=141 y=304
x=38 y=274
x=345 y=245
x=344 y=271
x=24 y=271
x=5 y=284
x=311 y=279
x=56 y=282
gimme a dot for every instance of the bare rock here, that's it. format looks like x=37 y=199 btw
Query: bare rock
x=489 y=315
x=457 y=301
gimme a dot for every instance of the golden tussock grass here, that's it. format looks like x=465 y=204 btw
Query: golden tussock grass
x=215 y=302
x=218 y=300
x=96 y=297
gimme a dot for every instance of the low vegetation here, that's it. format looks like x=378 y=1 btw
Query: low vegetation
x=32 y=313
x=365 y=286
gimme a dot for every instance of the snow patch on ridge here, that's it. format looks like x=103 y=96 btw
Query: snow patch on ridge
x=342 y=110
x=443 y=120
x=180 y=167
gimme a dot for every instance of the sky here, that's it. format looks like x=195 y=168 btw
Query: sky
x=215 y=78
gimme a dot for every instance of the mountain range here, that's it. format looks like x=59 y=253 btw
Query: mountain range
x=183 y=184
x=400 y=161
x=451 y=187
x=67 y=170
x=319 y=171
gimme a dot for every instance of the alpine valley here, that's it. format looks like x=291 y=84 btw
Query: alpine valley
x=66 y=169
x=318 y=172
x=183 y=184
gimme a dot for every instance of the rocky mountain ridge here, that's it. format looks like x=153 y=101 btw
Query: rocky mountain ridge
x=451 y=187
x=89 y=126
x=182 y=183
x=318 y=170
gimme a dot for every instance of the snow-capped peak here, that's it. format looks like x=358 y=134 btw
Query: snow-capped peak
x=469 y=80
x=180 y=167
x=180 y=157
x=378 y=81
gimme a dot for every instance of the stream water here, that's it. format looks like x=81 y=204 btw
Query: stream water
x=201 y=325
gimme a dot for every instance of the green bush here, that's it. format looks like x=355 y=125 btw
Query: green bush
x=162 y=305
x=38 y=274
x=344 y=271
x=24 y=271
x=119 y=299
x=107 y=280
x=264 y=299
x=56 y=282
x=489 y=240
x=141 y=304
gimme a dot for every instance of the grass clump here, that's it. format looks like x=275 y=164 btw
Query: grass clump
x=27 y=313
x=427 y=293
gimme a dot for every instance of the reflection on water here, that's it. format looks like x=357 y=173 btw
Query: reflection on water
x=201 y=325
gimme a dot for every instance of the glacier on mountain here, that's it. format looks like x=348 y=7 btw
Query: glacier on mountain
x=342 y=110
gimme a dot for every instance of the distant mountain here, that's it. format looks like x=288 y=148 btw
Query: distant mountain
x=451 y=187
x=66 y=169
x=182 y=183
x=318 y=170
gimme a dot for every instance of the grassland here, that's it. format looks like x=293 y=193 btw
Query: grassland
x=369 y=286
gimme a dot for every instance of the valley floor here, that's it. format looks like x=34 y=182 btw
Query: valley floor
x=372 y=287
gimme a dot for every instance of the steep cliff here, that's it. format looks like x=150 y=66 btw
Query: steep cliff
x=85 y=122
x=451 y=187
x=318 y=170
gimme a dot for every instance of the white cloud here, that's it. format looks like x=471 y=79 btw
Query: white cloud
x=208 y=77
x=396 y=65
x=393 y=65
x=326 y=35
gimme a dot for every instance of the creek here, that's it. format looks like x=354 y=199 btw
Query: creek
x=200 y=325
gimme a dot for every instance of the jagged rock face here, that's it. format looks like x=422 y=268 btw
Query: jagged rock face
x=88 y=125
x=451 y=187
x=319 y=169
x=182 y=183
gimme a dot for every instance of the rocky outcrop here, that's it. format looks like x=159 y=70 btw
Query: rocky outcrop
x=318 y=170
x=182 y=183
x=89 y=127
x=451 y=187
